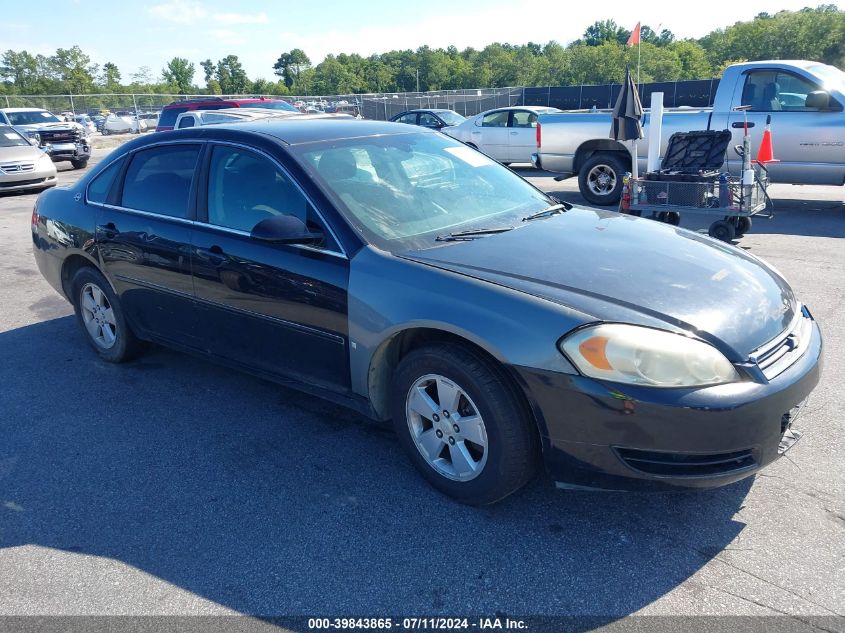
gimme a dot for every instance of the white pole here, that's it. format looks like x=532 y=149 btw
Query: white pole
x=655 y=129
x=634 y=167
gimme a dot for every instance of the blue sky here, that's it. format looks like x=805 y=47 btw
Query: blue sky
x=149 y=33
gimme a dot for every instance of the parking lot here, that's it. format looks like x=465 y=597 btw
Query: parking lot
x=170 y=486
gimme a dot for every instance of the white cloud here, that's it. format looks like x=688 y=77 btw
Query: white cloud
x=179 y=11
x=225 y=36
x=241 y=18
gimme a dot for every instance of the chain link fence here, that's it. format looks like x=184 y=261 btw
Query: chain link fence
x=382 y=106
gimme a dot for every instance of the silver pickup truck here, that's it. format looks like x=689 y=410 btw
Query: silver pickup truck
x=805 y=100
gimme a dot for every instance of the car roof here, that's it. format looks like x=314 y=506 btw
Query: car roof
x=295 y=130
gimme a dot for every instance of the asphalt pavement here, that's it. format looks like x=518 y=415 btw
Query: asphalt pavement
x=171 y=486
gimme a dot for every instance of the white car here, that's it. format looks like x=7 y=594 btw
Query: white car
x=193 y=118
x=508 y=135
x=123 y=123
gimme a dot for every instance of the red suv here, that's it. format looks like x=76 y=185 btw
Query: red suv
x=173 y=110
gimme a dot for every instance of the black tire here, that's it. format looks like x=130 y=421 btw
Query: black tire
x=79 y=164
x=596 y=189
x=125 y=345
x=742 y=225
x=512 y=450
x=722 y=230
x=669 y=217
x=105 y=132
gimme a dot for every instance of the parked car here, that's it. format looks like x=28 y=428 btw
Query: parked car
x=150 y=119
x=508 y=135
x=86 y=122
x=98 y=120
x=194 y=118
x=60 y=140
x=22 y=165
x=434 y=119
x=395 y=270
x=170 y=112
x=123 y=123
x=804 y=99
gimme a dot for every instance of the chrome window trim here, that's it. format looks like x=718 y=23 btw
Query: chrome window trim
x=341 y=253
x=240 y=233
x=151 y=214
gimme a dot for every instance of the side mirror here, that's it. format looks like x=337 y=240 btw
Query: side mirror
x=285 y=229
x=33 y=141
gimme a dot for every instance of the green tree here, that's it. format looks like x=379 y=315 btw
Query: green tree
x=290 y=66
x=231 y=76
x=179 y=72
x=21 y=70
x=74 y=69
x=208 y=69
x=605 y=31
x=110 y=77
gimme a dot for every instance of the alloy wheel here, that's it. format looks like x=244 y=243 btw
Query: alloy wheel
x=98 y=316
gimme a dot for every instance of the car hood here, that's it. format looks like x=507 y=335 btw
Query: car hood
x=20 y=154
x=34 y=127
x=616 y=267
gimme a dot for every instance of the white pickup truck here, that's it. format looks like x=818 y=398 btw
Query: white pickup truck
x=805 y=100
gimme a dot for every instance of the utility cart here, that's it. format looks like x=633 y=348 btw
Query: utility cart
x=689 y=181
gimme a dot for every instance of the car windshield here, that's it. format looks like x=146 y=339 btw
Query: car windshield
x=451 y=118
x=271 y=105
x=10 y=138
x=402 y=191
x=32 y=117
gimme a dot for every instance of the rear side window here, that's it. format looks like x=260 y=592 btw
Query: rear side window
x=495 y=119
x=158 y=180
x=169 y=115
x=99 y=188
x=186 y=121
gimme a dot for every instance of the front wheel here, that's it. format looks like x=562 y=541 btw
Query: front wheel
x=82 y=163
x=99 y=312
x=600 y=178
x=463 y=424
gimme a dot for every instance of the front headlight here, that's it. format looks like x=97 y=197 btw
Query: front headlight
x=644 y=356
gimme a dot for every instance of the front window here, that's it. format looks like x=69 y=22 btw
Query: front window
x=10 y=138
x=775 y=91
x=32 y=117
x=495 y=119
x=401 y=191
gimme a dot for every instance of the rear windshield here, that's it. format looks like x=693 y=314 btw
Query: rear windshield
x=168 y=116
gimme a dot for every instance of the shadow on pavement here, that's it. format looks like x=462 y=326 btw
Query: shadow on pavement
x=270 y=502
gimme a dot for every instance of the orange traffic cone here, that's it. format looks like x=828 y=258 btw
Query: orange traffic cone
x=766 y=154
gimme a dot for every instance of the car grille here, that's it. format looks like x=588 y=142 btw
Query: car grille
x=11 y=169
x=777 y=356
x=59 y=136
x=22 y=183
x=686 y=464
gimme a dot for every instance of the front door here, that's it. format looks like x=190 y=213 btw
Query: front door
x=143 y=238
x=803 y=136
x=280 y=309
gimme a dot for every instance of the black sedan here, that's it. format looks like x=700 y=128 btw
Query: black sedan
x=399 y=272
x=435 y=119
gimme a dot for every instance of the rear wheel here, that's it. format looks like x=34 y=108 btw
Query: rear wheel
x=463 y=424
x=600 y=178
x=722 y=230
x=100 y=314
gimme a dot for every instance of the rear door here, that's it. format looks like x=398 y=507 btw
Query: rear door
x=143 y=238
x=522 y=137
x=280 y=309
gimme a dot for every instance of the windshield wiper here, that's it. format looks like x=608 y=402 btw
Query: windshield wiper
x=552 y=210
x=471 y=234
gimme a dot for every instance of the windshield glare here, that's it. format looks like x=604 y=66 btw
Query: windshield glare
x=272 y=105
x=10 y=138
x=32 y=117
x=831 y=77
x=401 y=191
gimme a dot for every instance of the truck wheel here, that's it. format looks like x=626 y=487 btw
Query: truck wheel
x=743 y=225
x=600 y=178
x=82 y=163
x=463 y=424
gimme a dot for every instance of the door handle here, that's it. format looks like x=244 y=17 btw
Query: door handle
x=215 y=250
x=108 y=230
x=514 y=133
x=740 y=124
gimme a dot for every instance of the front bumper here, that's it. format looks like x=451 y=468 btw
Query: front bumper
x=67 y=151
x=36 y=179
x=619 y=437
